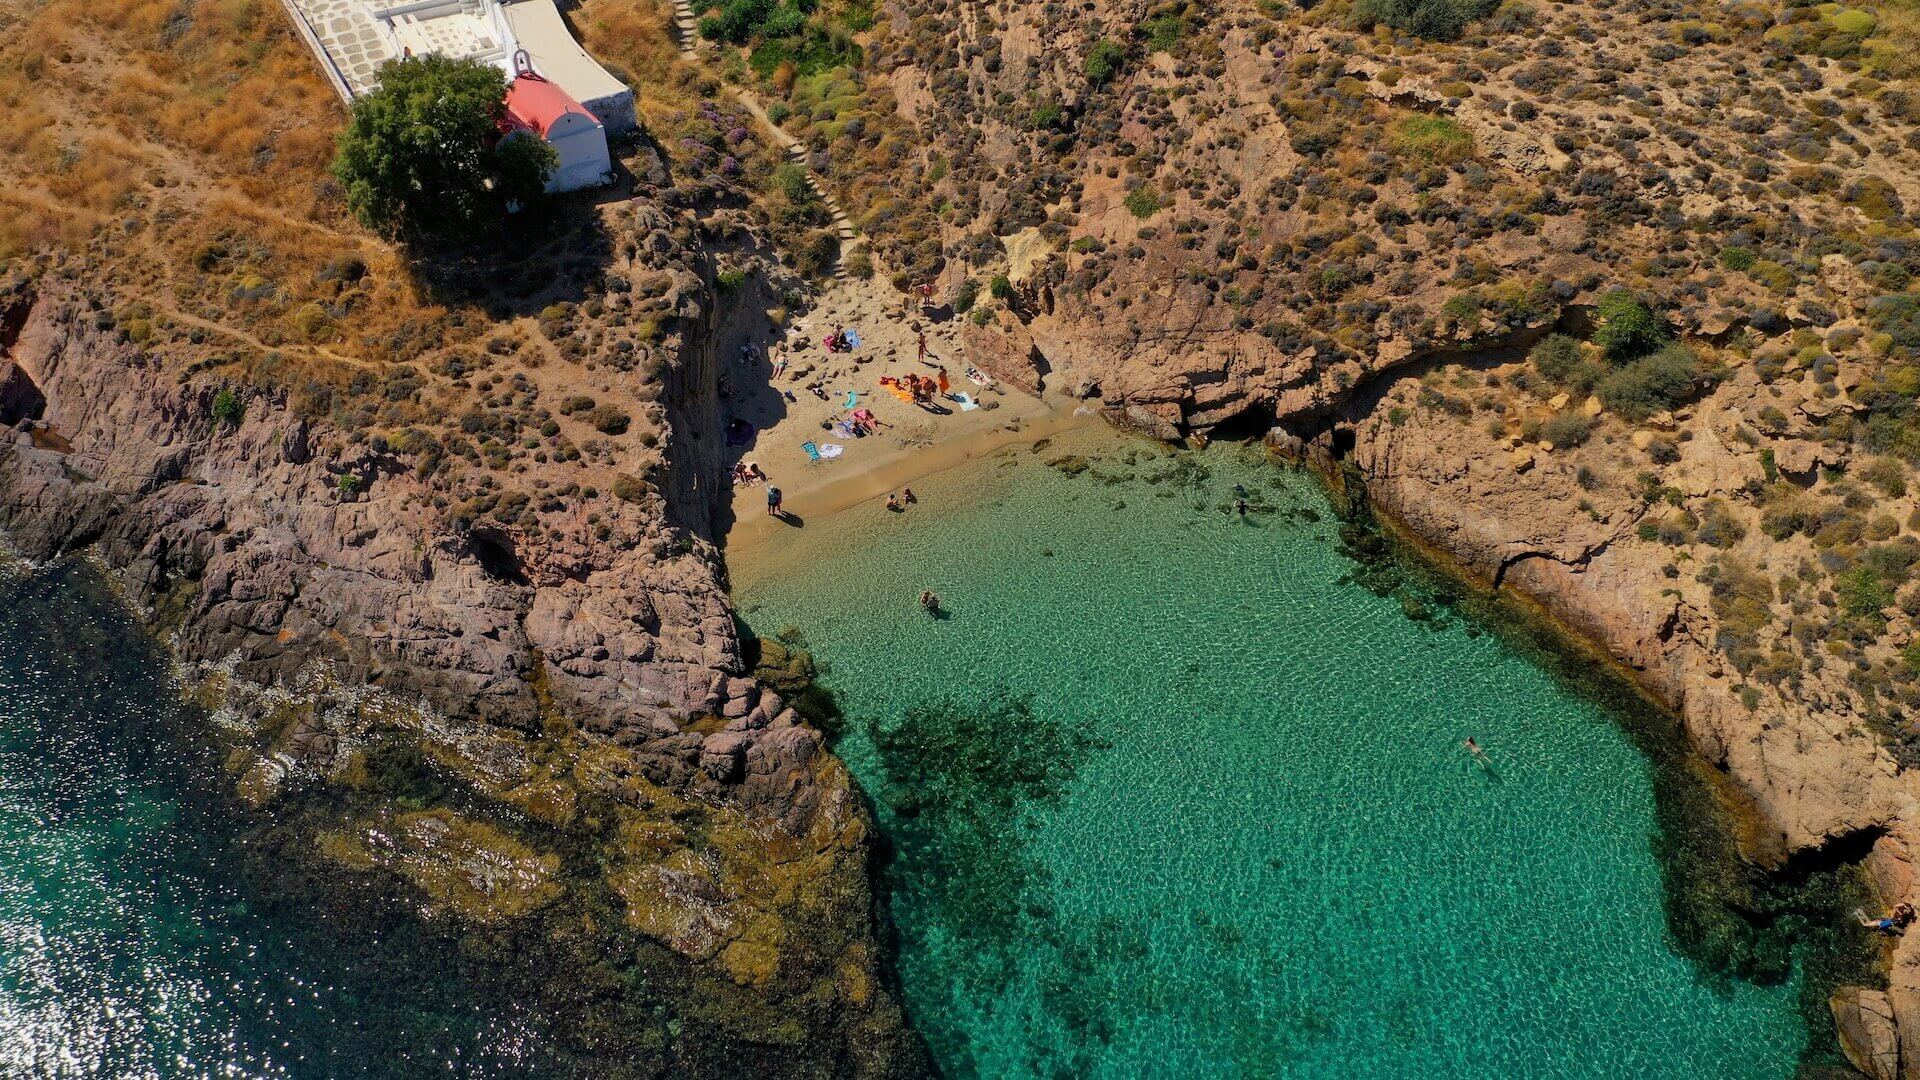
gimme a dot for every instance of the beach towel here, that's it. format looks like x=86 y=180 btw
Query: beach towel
x=853 y=339
x=900 y=393
x=843 y=429
x=830 y=451
x=813 y=452
x=978 y=377
x=853 y=398
x=965 y=401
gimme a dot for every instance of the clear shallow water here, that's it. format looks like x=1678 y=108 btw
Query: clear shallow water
x=1280 y=862
x=138 y=935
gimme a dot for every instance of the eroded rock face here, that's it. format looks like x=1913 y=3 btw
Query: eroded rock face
x=242 y=542
x=1867 y=1033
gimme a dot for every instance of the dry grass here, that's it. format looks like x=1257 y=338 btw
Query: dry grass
x=178 y=154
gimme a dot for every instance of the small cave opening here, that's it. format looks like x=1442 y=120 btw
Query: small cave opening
x=494 y=552
x=1250 y=423
x=1341 y=441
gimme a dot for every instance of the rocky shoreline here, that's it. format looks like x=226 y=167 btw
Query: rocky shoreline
x=532 y=735
x=1794 y=805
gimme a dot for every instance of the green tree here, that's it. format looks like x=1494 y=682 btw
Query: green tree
x=1628 y=328
x=419 y=154
x=522 y=165
x=1434 y=20
x=228 y=409
x=1862 y=595
x=1104 y=61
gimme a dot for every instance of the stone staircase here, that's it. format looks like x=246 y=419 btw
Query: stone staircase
x=843 y=229
x=686 y=30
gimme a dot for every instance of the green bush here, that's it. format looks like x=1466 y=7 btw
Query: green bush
x=1561 y=360
x=1142 y=202
x=1164 y=33
x=1628 y=328
x=963 y=299
x=608 y=419
x=1433 y=139
x=1734 y=257
x=1434 y=20
x=1568 y=429
x=1645 y=386
x=228 y=409
x=1001 y=287
x=629 y=489
x=1104 y=61
x=1862 y=594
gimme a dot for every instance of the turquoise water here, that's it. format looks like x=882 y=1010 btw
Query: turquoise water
x=147 y=931
x=1234 y=833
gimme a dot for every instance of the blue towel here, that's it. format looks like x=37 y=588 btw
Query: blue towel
x=853 y=339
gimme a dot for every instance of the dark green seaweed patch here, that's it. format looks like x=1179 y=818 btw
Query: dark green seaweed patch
x=963 y=784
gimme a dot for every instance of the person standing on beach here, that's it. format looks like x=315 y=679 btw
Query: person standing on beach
x=923 y=346
x=773 y=502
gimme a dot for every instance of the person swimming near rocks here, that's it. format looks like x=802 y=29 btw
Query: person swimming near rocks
x=929 y=602
x=1240 y=507
x=1473 y=748
x=1893 y=922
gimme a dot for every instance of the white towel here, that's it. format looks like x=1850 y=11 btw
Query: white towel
x=831 y=450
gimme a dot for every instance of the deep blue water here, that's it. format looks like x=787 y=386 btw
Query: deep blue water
x=142 y=930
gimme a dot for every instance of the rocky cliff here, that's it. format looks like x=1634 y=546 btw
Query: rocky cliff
x=576 y=672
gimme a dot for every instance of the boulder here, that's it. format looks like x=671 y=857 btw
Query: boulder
x=723 y=754
x=1864 y=1021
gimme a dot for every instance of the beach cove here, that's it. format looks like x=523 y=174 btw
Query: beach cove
x=1172 y=794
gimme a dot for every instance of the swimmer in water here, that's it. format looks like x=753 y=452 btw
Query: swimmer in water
x=1473 y=748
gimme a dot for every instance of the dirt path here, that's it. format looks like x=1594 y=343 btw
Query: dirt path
x=686 y=29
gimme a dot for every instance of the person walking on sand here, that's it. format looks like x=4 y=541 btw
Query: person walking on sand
x=923 y=346
x=773 y=502
x=944 y=384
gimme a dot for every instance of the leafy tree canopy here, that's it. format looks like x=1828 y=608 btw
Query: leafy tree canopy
x=423 y=153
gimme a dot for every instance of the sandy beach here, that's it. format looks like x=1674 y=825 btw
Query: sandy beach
x=911 y=442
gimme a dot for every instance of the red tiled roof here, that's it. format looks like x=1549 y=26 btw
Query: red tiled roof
x=534 y=104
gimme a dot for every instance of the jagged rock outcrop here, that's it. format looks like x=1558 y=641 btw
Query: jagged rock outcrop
x=268 y=544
